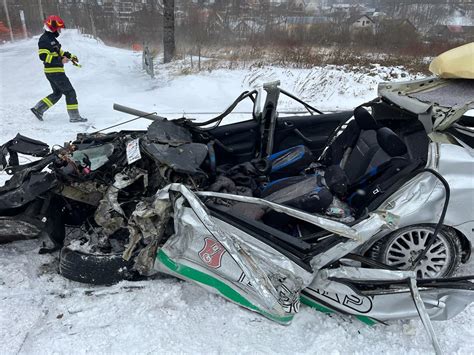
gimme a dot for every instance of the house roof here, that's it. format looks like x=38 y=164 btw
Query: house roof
x=241 y=24
x=354 y=19
x=453 y=29
x=396 y=22
x=306 y=20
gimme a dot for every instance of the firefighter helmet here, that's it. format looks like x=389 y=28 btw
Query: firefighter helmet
x=54 y=23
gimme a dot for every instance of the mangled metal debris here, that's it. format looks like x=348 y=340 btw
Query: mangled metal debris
x=265 y=212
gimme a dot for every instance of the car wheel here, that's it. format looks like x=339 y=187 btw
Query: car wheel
x=401 y=248
x=95 y=269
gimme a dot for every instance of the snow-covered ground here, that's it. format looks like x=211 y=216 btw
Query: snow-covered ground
x=41 y=312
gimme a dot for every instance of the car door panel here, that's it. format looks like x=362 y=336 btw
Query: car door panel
x=312 y=131
x=236 y=142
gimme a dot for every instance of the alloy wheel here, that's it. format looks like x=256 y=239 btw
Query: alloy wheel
x=404 y=248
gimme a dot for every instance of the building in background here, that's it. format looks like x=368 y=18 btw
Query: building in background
x=228 y=20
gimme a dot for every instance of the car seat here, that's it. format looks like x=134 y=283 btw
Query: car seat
x=362 y=158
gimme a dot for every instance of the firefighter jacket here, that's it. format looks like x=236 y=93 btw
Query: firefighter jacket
x=50 y=52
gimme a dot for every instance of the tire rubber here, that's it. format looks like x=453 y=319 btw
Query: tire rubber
x=94 y=269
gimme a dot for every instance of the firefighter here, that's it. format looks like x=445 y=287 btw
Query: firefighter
x=54 y=58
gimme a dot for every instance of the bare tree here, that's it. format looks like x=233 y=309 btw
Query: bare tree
x=168 y=31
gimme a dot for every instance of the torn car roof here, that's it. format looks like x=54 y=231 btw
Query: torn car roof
x=445 y=99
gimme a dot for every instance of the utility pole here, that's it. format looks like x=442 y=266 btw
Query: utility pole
x=94 y=31
x=8 y=19
x=23 y=24
x=168 y=31
x=41 y=12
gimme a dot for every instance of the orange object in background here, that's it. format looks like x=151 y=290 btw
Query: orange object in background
x=137 y=47
x=3 y=28
x=4 y=32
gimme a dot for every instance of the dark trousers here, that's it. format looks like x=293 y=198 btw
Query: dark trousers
x=62 y=86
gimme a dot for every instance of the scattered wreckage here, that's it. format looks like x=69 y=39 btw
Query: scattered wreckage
x=356 y=212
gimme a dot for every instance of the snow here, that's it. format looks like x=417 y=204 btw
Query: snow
x=112 y=75
x=41 y=312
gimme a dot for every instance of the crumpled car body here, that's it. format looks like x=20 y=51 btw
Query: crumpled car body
x=268 y=212
x=215 y=254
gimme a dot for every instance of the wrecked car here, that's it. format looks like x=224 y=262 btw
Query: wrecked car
x=363 y=212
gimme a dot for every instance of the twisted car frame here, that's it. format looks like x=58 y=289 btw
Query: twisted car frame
x=364 y=213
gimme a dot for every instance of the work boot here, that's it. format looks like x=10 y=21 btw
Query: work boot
x=39 y=109
x=75 y=117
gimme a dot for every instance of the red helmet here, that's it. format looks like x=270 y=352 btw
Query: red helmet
x=54 y=23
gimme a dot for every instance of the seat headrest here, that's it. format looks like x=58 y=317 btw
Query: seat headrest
x=390 y=142
x=364 y=119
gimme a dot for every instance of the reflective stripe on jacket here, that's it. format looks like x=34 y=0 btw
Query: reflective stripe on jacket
x=50 y=53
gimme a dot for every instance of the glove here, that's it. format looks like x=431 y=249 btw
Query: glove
x=71 y=57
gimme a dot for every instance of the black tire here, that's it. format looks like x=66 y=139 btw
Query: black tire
x=442 y=265
x=95 y=269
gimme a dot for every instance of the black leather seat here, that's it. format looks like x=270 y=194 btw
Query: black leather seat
x=360 y=155
x=357 y=149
